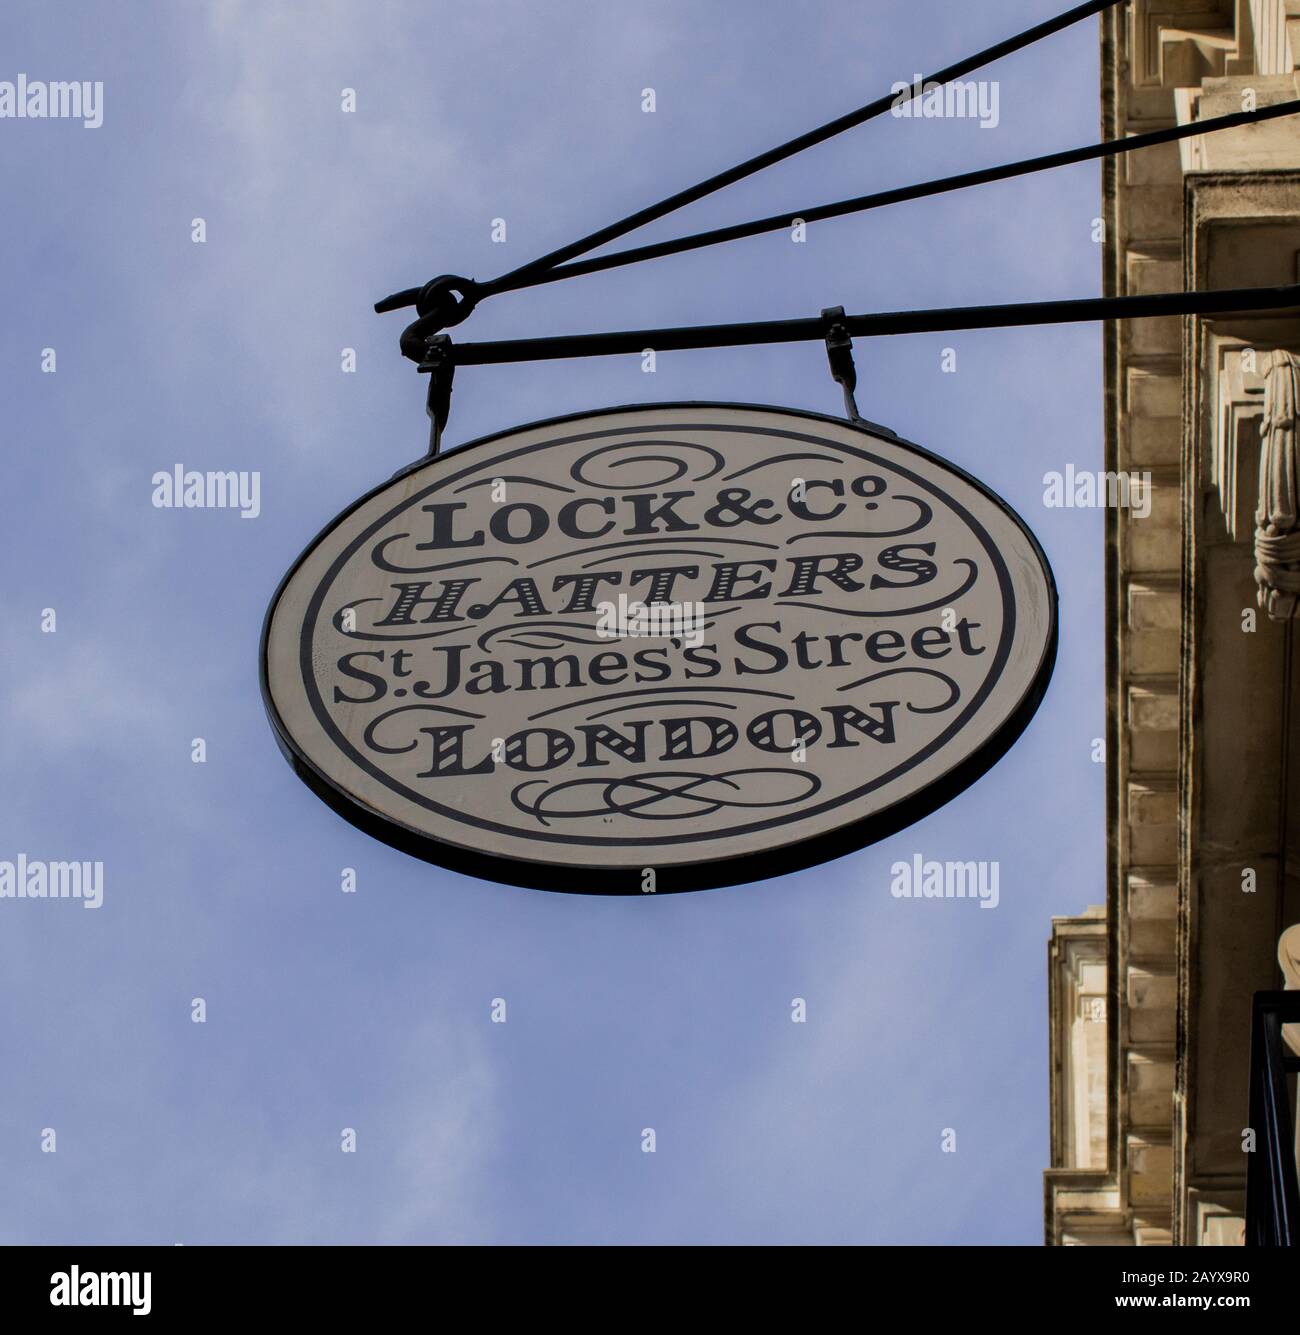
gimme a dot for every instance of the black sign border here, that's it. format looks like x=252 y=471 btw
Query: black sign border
x=708 y=873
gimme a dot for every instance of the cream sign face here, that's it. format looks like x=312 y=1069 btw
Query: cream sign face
x=658 y=648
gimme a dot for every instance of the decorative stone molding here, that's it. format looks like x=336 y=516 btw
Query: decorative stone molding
x=1216 y=1218
x=1177 y=43
x=1277 y=518
x=1235 y=444
x=1077 y=990
x=1276 y=24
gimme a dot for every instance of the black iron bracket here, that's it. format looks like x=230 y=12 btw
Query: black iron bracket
x=440 y=304
x=440 y=367
x=839 y=353
x=950 y=319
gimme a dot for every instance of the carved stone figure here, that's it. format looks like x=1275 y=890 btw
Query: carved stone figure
x=1277 y=527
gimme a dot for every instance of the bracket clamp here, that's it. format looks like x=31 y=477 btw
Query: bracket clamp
x=839 y=353
x=440 y=367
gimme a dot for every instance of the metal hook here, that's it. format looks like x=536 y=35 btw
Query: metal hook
x=839 y=353
x=441 y=303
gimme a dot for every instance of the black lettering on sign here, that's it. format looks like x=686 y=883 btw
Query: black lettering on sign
x=716 y=641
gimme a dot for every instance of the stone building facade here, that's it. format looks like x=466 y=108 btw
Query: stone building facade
x=1150 y=993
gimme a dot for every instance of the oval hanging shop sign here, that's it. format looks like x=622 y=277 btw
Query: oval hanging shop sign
x=662 y=647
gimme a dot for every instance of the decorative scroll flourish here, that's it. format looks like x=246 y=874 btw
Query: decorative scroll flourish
x=677 y=458
x=954 y=691
x=1277 y=524
x=645 y=695
x=379 y=555
x=770 y=460
x=661 y=550
x=528 y=634
x=924 y=514
x=372 y=728
x=669 y=795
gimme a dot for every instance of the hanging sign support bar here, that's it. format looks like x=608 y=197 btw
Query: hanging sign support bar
x=1247 y=300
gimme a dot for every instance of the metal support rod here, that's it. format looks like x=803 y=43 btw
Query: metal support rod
x=528 y=274
x=1247 y=300
x=880 y=199
x=808 y=140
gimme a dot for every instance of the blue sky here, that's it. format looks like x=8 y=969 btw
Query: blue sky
x=371 y=1010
